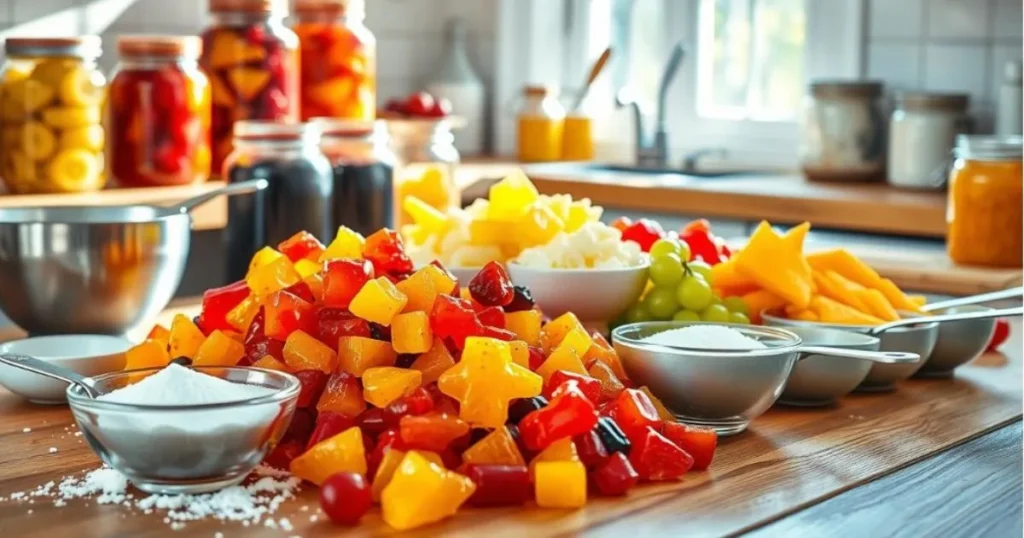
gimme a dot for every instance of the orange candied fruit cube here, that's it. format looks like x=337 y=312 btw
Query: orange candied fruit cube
x=185 y=337
x=219 y=349
x=264 y=256
x=159 y=333
x=556 y=330
x=303 y=352
x=342 y=453
x=419 y=289
x=443 y=282
x=378 y=301
x=602 y=351
x=434 y=362
x=496 y=448
x=148 y=354
x=343 y=395
x=385 y=384
x=526 y=324
x=347 y=243
x=357 y=353
x=567 y=355
x=663 y=412
x=241 y=316
x=611 y=386
x=274 y=276
x=268 y=362
x=410 y=332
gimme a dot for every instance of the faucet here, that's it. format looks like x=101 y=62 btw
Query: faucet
x=652 y=151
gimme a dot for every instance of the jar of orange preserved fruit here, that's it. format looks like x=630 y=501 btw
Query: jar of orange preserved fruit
x=539 y=125
x=985 y=199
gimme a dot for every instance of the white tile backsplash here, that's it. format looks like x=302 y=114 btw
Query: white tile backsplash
x=1007 y=19
x=897 y=63
x=957 y=68
x=958 y=19
x=999 y=55
x=896 y=18
x=28 y=10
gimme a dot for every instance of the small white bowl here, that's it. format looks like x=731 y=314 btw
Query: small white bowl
x=596 y=296
x=88 y=354
x=464 y=274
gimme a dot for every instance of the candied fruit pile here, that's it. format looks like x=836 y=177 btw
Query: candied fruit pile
x=420 y=394
x=514 y=217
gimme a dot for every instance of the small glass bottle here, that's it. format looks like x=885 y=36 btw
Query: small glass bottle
x=51 y=92
x=363 y=167
x=339 y=60
x=297 y=198
x=158 y=115
x=540 y=123
x=428 y=161
x=252 y=61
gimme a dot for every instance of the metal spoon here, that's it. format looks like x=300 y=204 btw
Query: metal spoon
x=242 y=187
x=942 y=318
x=47 y=369
x=974 y=299
x=884 y=357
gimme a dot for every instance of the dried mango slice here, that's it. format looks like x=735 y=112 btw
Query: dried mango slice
x=248 y=82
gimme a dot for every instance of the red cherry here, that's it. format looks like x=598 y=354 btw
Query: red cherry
x=442 y=108
x=345 y=497
x=395 y=106
x=1001 y=333
x=419 y=104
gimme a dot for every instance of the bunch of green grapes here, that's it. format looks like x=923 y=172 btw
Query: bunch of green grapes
x=682 y=290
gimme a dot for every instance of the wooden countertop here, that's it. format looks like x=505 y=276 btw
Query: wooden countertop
x=795 y=469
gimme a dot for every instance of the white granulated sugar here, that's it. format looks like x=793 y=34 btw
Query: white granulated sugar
x=177 y=385
x=710 y=337
x=53 y=450
x=285 y=524
x=26 y=430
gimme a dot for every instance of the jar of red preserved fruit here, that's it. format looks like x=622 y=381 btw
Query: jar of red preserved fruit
x=158 y=117
x=252 y=61
x=339 y=60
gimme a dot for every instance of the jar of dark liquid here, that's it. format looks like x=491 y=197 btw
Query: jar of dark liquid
x=297 y=198
x=363 y=169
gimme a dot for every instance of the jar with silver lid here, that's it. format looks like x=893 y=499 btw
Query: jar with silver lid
x=922 y=132
x=843 y=132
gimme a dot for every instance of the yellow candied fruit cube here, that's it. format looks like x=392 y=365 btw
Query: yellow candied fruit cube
x=344 y=452
x=264 y=256
x=419 y=290
x=525 y=324
x=185 y=337
x=410 y=332
x=554 y=332
x=274 y=276
x=416 y=233
x=560 y=484
x=491 y=232
x=567 y=355
x=307 y=268
x=378 y=301
x=424 y=215
x=538 y=226
x=580 y=213
x=488 y=349
x=520 y=353
x=219 y=349
x=347 y=243
x=443 y=282
x=511 y=196
x=560 y=450
x=385 y=384
x=148 y=354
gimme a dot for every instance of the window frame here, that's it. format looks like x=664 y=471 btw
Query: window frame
x=834 y=49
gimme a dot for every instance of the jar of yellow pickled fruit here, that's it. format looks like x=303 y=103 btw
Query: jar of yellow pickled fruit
x=51 y=136
x=984 y=210
x=539 y=125
x=427 y=160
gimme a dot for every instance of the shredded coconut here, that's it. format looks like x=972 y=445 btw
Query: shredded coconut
x=53 y=450
x=26 y=430
x=711 y=337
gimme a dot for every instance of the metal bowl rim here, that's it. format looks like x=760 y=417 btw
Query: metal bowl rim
x=768 y=313
x=792 y=341
x=160 y=214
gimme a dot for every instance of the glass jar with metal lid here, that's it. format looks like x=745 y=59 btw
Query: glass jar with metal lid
x=984 y=216
x=363 y=169
x=158 y=116
x=427 y=164
x=51 y=135
x=843 y=132
x=297 y=198
x=922 y=131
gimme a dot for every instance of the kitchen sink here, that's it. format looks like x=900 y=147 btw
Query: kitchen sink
x=590 y=169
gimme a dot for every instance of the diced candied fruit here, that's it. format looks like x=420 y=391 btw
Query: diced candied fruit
x=422 y=492
x=633 y=412
x=185 y=338
x=521 y=300
x=485 y=380
x=241 y=316
x=264 y=256
x=497 y=447
x=611 y=387
x=258 y=344
x=270 y=363
x=566 y=356
x=663 y=412
x=343 y=278
x=301 y=246
x=434 y=362
x=560 y=484
x=602 y=351
x=455 y=319
x=385 y=250
x=491 y=316
x=556 y=330
x=303 y=352
x=384 y=384
x=526 y=324
x=656 y=458
x=333 y=323
x=342 y=453
x=286 y=313
x=433 y=431
x=444 y=281
x=700 y=443
x=218 y=302
x=274 y=276
x=160 y=334
x=219 y=349
x=148 y=354
x=328 y=424
x=420 y=290
x=520 y=353
x=511 y=196
x=347 y=243
x=411 y=333
x=357 y=353
x=312 y=383
x=492 y=286
x=378 y=301
x=342 y=395
x=307 y=268
x=589 y=386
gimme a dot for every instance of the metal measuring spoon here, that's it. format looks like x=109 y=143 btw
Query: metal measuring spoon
x=47 y=369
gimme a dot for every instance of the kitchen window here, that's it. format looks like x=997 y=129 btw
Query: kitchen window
x=742 y=82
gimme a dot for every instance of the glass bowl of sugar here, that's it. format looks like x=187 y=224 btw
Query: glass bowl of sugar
x=178 y=430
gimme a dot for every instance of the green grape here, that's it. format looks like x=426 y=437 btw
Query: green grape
x=738 y=317
x=716 y=299
x=716 y=313
x=694 y=294
x=665 y=246
x=686 y=315
x=684 y=251
x=736 y=304
x=637 y=313
x=666 y=270
x=661 y=303
x=702 y=269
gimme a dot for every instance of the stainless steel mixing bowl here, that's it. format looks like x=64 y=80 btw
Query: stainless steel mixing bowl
x=94 y=270
x=958 y=342
x=721 y=389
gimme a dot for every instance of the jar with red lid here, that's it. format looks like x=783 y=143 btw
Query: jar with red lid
x=158 y=116
x=252 y=61
x=339 y=60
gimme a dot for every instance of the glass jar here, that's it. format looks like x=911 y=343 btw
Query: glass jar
x=539 y=125
x=51 y=133
x=922 y=132
x=339 y=60
x=252 y=61
x=428 y=161
x=577 y=138
x=844 y=132
x=984 y=209
x=297 y=198
x=363 y=167
x=158 y=117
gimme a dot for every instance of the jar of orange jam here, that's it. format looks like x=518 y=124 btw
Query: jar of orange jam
x=985 y=196
x=539 y=125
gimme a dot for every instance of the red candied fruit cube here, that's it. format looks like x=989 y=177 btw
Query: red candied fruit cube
x=301 y=426
x=492 y=316
x=384 y=248
x=455 y=319
x=329 y=424
x=434 y=432
x=333 y=323
x=343 y=278
x=590 y=387
x=282 y=455
x=217 y=302
x=257 y=344
x=656 y=458
x=499 y=334
x=537 y=357
x=643 y=232
x=492 y=286
x=371 y=421
x=311 y=385
x=302 y=291
x=286 y=313
x=634 y=412
x=301 y=246
x=418 y=402
x=697 y=442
